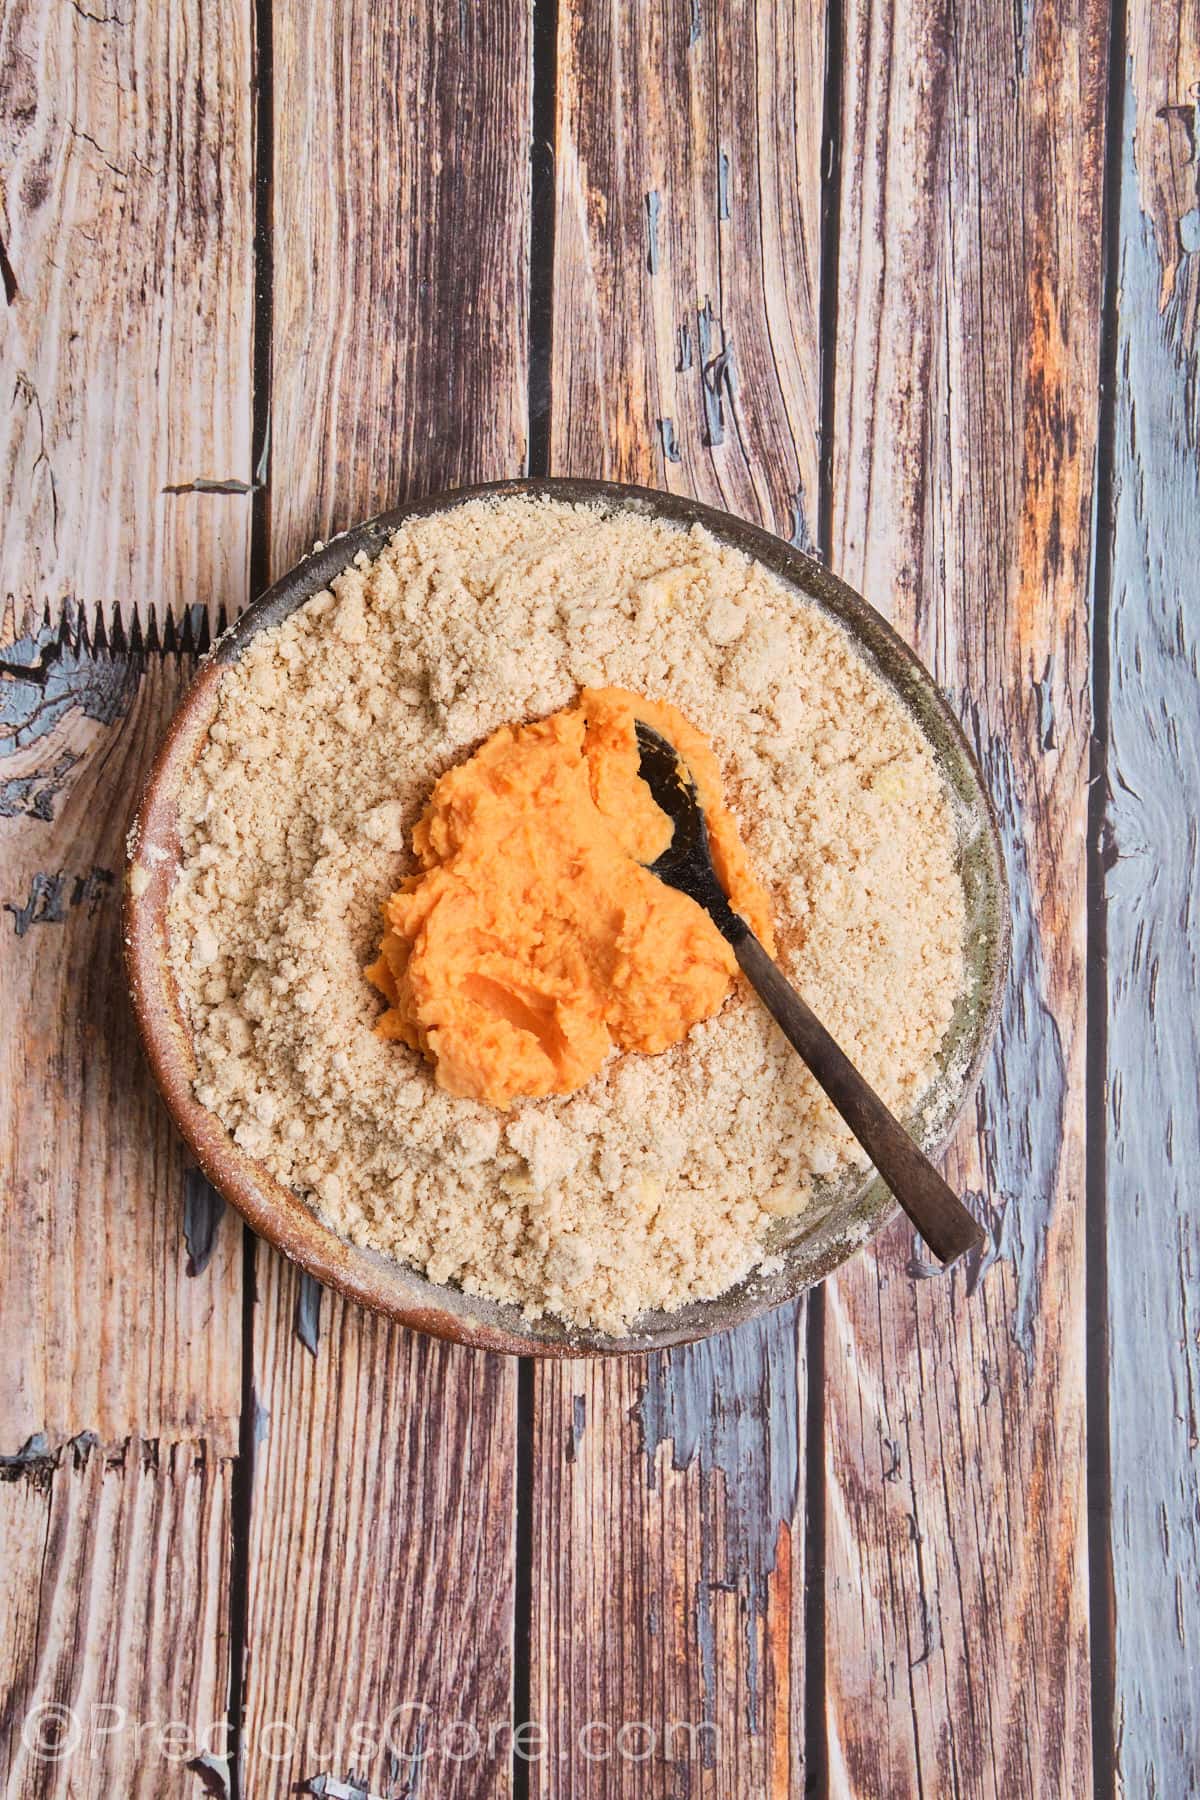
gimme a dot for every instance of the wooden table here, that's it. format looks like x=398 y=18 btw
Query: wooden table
x=917 y=285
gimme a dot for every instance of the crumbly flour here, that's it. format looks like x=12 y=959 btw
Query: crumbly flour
x=657 y=1183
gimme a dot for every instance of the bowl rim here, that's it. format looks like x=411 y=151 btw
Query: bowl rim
x=285 y=1220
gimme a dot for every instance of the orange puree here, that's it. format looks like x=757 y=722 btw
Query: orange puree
x=532 y=940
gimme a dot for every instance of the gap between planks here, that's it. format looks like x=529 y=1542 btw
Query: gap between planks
x=1101 y=1599
x=816 y=1734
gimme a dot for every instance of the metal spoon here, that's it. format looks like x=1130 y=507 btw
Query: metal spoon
x=934 y=1208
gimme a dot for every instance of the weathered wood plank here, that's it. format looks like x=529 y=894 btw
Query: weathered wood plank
x=668 y=1630
x=387 y=1469
x=126 y=220
x=126 y=232
x=126 y=215
x=106 y=1328
x=668 y=1536
x=381 y=1554
x=1152 y=1137
x=114 y=1598
x=963 y=464
x=401 y=239
x=687 y=252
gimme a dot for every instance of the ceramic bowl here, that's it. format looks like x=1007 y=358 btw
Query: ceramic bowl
x=811 y=1246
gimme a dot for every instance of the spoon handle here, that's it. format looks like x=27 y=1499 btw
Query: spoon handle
x=934 y=1208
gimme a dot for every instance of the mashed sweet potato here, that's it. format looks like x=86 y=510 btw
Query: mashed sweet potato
x=533 y=940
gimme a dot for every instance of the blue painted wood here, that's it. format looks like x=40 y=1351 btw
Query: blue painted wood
x=963 y=448
x=1152 y=1135
x=733 y=1405
x=669 y=1560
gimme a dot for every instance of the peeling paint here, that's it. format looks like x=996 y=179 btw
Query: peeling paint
x=329 y=1787
x=733 y=1404
x=1021 y=1100
x=653 y=211
x=43 y=904
x=666 y=430
x=1022 y=35
x=1151 y=886
x=47 y=673
x=1043 y=693
x=213 y=1772
x=308 y=1311
x=49 y=897
x=33 y=796
x=578 y=1426
x=801 y=536
x=716 y=374
x=35 y=1449
x=38 y=1457
x=203 y=1210
x=205 y=484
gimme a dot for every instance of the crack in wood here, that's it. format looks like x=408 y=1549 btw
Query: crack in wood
x=114 y=168
x=7 y=276
x=96 y=18
x=25 y=391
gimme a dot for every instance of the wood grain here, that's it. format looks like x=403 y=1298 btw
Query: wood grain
x=963 y=466
x=668 y=1629
x=400 y=232
x=687 y=252
x=386 y=1473
x=668 y=1540
x=127 y=272
x=381 y=1551
x=114 y=1600
x=126 y=219
x=104 y=1328
x=1152 y=857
